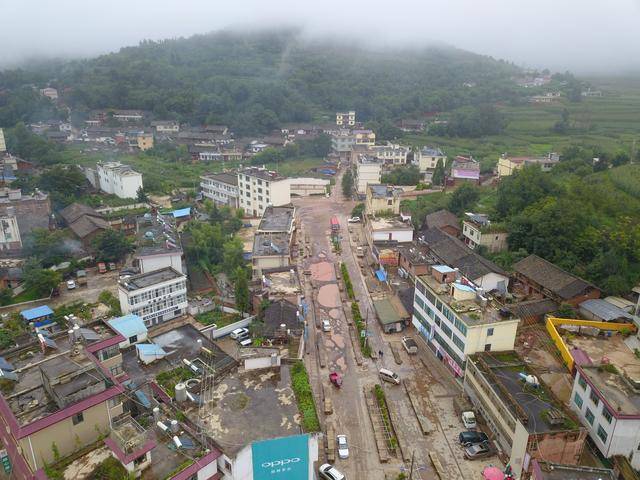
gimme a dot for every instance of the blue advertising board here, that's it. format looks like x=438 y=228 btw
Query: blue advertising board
x=281 y=458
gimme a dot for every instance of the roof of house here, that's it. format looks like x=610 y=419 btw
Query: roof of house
x=228 y=178
x=277 y=219
x=182 y=212
x=128 y=325
x=533 y=308
x=86 y=225
x=440 y=219
x=551 y=277
x=554 y=471
x=605 y=310
x=148 y=279
x=279 y=313
x=384 y=191
x=456 y=254
x=387 y=315
x=74 y=211
x=36 y=312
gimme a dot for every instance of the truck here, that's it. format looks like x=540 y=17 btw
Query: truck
x=410 y=345
x=81 y=278
x=102 y=268
x=335 y=224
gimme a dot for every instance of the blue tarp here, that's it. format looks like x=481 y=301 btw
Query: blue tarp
x=150 y=349
x=142 y=398
x=129 y=325
x=183 y=212
x=382 y=275
x=43 y=323
x=4 y=365
x=37 y=312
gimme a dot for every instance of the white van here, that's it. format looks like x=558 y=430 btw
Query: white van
x=389 y=376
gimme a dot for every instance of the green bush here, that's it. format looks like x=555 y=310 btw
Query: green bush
x=347 y=281
x=304 y=397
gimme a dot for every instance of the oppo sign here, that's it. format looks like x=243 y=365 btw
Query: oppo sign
x=281 y=458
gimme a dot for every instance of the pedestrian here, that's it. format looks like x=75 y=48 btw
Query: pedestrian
x=380 y=353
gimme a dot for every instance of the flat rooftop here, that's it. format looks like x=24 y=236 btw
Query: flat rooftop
x=618 y=392
x=472 y=311
x=277 y=219
x=392 y=223
x=156 y=234
x=613 y=349
x=271 y=244
x=144 y=280
x=534 y=403
x=554 y=471
x=228 y=178
x=282 y=283
x=262 y=173
x=384 y=191
x=252 y=406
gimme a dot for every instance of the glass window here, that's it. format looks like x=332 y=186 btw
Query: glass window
x=446 y=330
x=458 y=343
x=606 y=414
x=589 y=416
x=594 y=398
x=577 y=399
x=77 y=418
x=602 y=434
x=489 y=332
x=582 y=382
x=487 y=347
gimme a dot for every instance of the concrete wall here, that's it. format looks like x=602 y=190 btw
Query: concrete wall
x=401 y=236
x=68 y=437
x=490 y=281
x=502 y=339
x=214 y=333
x=157 y=262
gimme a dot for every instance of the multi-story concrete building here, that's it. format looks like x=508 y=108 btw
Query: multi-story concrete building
x=368 y=172
x=158 y=244
x=222 y=188
x=346 y=119
x=116 y=179
x=427 y=158
x=3 y=145
x=458 y=319
x=144 y=141
x=478 y=230
x=524 y=417
x=19 y=215
x=59 y=397
x=343 y=141
x=166 y=126
x=606 y=397
x=270 y=250
x=382 y=199
x=507 y=165
x=364 y=137
x=304 y=187
x=258 y=188
x=387 y=230
x=156 y=296
x=391 y=154
x=49 y=92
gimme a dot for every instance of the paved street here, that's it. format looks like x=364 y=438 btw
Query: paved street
x=351 y=417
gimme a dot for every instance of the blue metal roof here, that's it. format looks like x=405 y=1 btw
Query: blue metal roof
x=143 y=399
x=36 y=312
x=463 y=287
x=129 y=325
x=183 y=212
x=150 y=349
x=382 y=275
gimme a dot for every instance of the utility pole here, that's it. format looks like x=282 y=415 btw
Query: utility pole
x=413 y=455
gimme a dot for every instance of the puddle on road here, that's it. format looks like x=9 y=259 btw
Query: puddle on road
x=322 y=272
x=329 y=296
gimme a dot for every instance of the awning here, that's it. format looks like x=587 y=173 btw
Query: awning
x=382 y=275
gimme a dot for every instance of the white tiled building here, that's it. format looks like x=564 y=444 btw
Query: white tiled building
x=607 y=402
x=427 y=158
x=458 y=319
x=368 y=172
x=156 y=296
x=221 y=188
x=259 y=188
x=117 y=179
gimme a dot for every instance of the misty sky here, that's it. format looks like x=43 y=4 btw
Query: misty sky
x=581 y=35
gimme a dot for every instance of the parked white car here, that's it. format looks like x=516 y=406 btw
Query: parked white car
x=469 y=420
x=343 y=446
x=326 y=326
x=239 y=332
x=329 y=472
x=354 y=220
x=71 y=284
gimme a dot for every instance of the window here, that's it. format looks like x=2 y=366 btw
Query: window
x=589 y=416
x=489 y=332
x=227 y=465
x=602 y=434
x=77 y=418
x=487 y=347
x=116 y=370
x=594 y=398
x=577 y=399
x=140 y=460
x=606 y=414
x=582 y=382
x=457 y=342
x=133 y=339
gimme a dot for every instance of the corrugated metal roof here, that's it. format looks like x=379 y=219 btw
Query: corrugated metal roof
x=36 y=312
x=604 y=310
x=129 y=325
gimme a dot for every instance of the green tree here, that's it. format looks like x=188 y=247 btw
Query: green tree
x=347 y=184
x=241 y=289
x=49 y=248
x=141 y=195
x=111 y=246
x=64 y=182
x=41 y=280
x=232 y=255
x=438 y=174
x=6 y=295
x=407 y=175
x=525 y=187
x=463 y=198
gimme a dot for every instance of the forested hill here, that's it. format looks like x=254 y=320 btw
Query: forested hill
x=255 y=82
